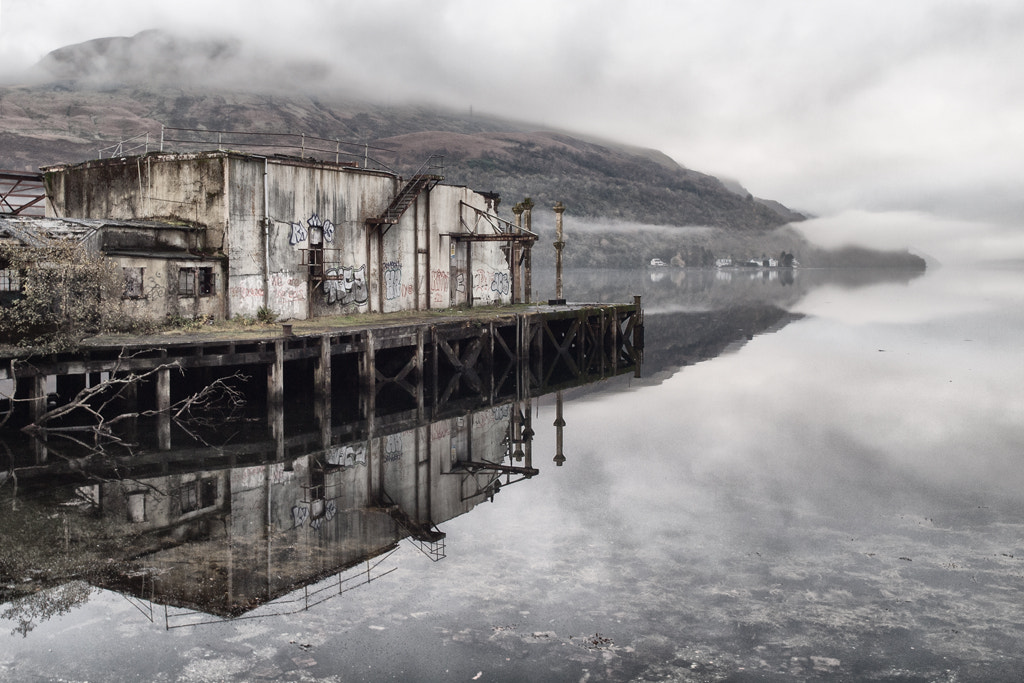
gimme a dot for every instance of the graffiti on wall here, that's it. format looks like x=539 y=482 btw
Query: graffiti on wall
x=486 y=281
x=326 y=226
x=392 y=279
x=287 y=290
x=501 y=283
x=439 y=286
x=238 y=293
x=346 y=285
x=300 y=232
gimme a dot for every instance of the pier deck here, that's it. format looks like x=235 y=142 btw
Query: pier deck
x=419 y=360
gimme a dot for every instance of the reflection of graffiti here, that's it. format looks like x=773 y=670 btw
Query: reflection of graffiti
x=346 y=456
x=440 y=430
x=254 y=477
x=392 y=447
x=346 y=285
x=298 y=234
x=300 y=513
x=392 y=279
x=501 y=283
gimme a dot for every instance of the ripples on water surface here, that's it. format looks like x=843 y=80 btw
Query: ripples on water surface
x=813 y=479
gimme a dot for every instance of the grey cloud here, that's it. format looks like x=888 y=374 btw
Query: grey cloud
x=825 y=106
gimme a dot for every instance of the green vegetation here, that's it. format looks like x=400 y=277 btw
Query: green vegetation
x=63 y=294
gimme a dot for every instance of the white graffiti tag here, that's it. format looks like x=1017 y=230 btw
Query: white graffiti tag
x=326 y=226
x=346 y=285
x=501 y=283
x=392 y=279
x=299 y=234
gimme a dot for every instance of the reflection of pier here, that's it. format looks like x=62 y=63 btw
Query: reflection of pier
x=372 y=438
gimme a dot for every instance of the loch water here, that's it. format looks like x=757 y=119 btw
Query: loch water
x=817 y=475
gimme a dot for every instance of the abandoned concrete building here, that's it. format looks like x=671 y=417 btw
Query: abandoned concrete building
x=225 y=233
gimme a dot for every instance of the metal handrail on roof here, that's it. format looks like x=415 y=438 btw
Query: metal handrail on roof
x=306 y=145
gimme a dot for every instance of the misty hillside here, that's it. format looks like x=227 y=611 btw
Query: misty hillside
x=83 y=98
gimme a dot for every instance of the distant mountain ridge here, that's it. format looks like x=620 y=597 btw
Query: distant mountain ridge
x=84 y=97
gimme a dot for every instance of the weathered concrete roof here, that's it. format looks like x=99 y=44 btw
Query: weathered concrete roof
x=181 y=255
x=36 y=232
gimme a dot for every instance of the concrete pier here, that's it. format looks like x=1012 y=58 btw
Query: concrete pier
x=423 y=366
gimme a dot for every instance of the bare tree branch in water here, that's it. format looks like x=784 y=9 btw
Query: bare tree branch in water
x=107 y=391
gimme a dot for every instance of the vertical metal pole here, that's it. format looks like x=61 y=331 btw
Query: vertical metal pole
x=559 y=245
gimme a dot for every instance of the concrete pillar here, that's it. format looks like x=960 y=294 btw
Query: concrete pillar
x=163 y=390
x=559 y=423
x=322 y=367
x=275 y=374
x=322 y=390
x=527 y=272
x=559 y=245
x=163 y=407
x=275 y=397
x=368 y=374
x=34 y=389
x=514 y=248
x=420 y=377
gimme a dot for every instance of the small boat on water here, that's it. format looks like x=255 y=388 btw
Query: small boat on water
x=658 y=263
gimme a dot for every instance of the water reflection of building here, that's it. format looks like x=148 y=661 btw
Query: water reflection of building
x=218 y=516
x=225 y=541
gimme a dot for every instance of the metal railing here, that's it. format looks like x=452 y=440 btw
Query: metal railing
x=307 y=146
x=128 y=146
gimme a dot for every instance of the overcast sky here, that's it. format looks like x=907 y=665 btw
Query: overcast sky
x=826 y=105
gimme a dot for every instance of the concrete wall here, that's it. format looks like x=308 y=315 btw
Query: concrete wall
x=265 y=215
x=321 y=206
x=474 y=269
x=188 y=189
x=161 y=295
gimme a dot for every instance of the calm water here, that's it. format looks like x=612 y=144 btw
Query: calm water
x=813 y=479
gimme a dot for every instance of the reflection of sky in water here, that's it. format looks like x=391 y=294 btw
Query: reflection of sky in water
x=839 y=499
x=857 y=470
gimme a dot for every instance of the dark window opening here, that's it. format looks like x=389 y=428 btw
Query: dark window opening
x=316 y=261
x=206 y=282
x=9 y=278
x=186 y=281
x=198 y=494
